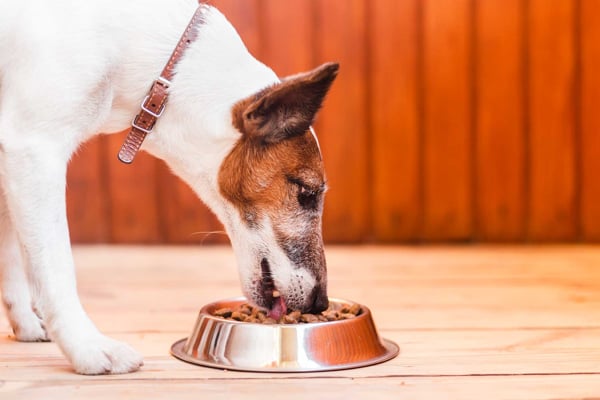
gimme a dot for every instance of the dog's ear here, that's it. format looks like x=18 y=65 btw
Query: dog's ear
x=285 y=109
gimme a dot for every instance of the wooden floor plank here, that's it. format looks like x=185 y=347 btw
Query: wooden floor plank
x=423 y=353
x=527 y=387
x=491 y=321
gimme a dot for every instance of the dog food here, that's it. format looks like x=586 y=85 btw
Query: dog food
x=247 y=313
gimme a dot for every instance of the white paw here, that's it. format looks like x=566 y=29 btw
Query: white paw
x=28 y=327
x=104 y=356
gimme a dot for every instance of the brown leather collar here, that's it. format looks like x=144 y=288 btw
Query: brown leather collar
x=153 y=104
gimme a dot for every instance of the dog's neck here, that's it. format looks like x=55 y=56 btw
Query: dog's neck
x=218 y=66
x=154 y=103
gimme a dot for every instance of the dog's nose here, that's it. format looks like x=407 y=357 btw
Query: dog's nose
x=320 y=301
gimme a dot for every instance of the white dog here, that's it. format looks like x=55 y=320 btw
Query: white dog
x=239 y=136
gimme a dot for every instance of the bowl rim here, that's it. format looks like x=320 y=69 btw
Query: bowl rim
x=365 y=311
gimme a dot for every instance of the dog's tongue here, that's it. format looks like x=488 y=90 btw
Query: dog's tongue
x=279 y=309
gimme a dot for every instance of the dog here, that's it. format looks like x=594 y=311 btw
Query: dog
x=236 y=133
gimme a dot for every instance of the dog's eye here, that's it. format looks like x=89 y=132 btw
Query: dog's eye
x=308 y=197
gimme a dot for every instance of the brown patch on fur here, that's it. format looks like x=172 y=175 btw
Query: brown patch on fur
x=276 y=163
x=265 y=178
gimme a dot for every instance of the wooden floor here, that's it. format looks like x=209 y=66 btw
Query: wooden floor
x=472 y=322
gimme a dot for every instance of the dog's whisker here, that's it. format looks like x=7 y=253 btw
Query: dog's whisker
x=208 y=234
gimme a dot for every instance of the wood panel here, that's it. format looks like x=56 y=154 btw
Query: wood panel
x=184 y=218
x=287 y=44
x=342 y=126
x=447 y=129
x=245 y=15
x=552 y=202
x=589 y=24
x=133 y=195
x=500 y=186
x=88 y=210
x=395 y=131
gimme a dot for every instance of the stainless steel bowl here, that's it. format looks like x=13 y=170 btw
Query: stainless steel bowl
x=321 y=346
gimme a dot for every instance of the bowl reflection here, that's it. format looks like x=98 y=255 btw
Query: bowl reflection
x=321 y=346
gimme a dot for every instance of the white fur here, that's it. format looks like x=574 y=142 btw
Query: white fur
x=251 y=245
x=70 y=69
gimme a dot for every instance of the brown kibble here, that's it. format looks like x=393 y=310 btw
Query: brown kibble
x=331 y=315
x=223 y=312
x=355 y=309
x=248 y=313
x=309 y=318
x=238 y=316
x=292 y=318
x=246 y=309
x=295 y=314
x=261 y=316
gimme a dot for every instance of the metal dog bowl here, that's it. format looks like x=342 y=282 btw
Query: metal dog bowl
x=321 y=346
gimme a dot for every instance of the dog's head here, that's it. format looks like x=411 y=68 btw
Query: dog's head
x=275 y=181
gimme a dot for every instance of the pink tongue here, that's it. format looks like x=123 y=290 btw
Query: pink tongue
x=278 y=309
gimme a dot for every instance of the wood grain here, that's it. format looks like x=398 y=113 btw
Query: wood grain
x=590 y=120
x=245 y=15
x=132 y=192
x=88 y=208
x=288 y=36
x=472 y=322
x=552 y=204
x=501 y=193
x=342 y=124
x=184 y=217
x=395 y=130
x=231 y=385
x=447 y=120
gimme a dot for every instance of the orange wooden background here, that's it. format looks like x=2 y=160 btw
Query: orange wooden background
x=451 y=120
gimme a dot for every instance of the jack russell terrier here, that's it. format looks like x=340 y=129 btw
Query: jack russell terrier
x=221 y=120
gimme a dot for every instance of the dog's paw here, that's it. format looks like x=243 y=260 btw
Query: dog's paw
x=34 y=332
x=28 y=327
x=105 y=356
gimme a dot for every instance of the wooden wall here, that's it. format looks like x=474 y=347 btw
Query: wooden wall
x=451 y=120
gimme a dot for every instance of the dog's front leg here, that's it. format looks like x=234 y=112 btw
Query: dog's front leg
x=27 y=325
x=34 y=183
